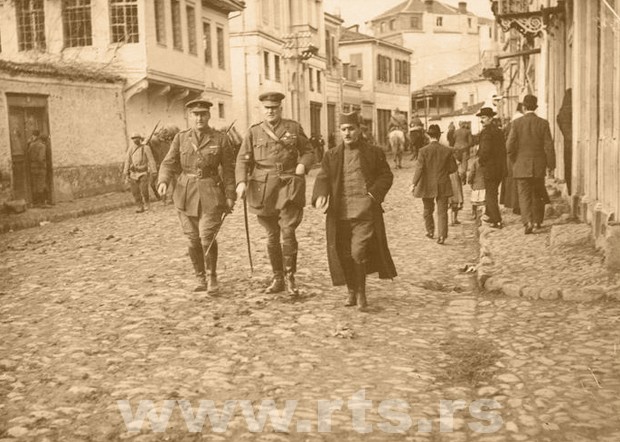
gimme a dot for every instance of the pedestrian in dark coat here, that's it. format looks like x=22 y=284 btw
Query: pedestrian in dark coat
x=492 y=158
x=351 y=185
x=565 y=122
x=531 y=151
x=431 y=182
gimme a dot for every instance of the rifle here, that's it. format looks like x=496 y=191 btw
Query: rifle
x=148 y=140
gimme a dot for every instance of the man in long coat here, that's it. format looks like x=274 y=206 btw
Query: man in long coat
x=530 y=148
x=351 y=185
x=431 y=182
x=492 y=158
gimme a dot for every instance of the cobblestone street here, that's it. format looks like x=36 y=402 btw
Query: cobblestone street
x=99 y=309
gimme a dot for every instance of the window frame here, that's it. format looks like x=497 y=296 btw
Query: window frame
x=78 y=14
x=128 y=22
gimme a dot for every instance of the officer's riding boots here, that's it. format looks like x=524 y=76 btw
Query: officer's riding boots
x=360 y=275
x=211 y=261
x=290 y=266
x=197 y=258
x=275 y=257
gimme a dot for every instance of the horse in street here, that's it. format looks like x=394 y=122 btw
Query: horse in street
x=396 y=138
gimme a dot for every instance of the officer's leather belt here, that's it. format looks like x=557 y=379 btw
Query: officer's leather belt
x=201 y=174
x=275 y=167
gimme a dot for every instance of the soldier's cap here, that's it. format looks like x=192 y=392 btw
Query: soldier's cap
x=434 y=131
x=271 y=98
x=136 y=135
x=198 y=105
x=350 y=118
x=530 y=102
x=486 y=112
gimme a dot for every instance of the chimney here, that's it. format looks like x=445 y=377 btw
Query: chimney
x=429 y=5
x=463 y=7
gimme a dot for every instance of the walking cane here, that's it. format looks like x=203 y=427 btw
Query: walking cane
x=224 y=215
x=247 y=234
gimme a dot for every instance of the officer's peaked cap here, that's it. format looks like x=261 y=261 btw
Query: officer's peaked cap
x=199 y=104
x=271 y=97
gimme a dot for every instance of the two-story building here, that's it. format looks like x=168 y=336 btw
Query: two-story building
x=86 y=74
x=445 y=40
x=376 y=79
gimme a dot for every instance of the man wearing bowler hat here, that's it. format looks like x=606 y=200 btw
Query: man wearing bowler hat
x=431 y=182
x=492 y=158
x=202 y=194
x=351 y=185
x=530 y=148
x=274 y=157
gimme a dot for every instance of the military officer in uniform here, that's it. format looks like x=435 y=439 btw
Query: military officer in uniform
x=271 y=165
x=202 y=194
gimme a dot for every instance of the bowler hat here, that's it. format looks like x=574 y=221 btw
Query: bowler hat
x=350 y=118
x=199 y=105
x=271 y=98
x=434 y=131
x=486 y=112
x=530 y=102
x=136 y=135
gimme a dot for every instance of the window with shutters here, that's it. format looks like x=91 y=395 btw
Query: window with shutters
x=124 y=21
x=30 y=25
x=276 y=66
x=206 y=38
x=160 y=22
x=177 y=38
x=191 y=30
x=266 y=70
x=220 y=47
x=76 y=23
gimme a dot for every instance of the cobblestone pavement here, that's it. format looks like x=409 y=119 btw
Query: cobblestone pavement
x=98 y=310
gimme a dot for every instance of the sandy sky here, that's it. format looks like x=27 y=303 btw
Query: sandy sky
x=359 y=11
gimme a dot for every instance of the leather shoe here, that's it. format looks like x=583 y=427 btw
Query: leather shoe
x=430 y=235
x=529 y=228
x=496 y=225
x=276 y=286
x=352 y=299
x=441 y=240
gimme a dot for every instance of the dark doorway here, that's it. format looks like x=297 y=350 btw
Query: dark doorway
x=27 y=114
x=315 y=118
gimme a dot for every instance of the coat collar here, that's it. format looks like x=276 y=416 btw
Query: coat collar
x=206 y=137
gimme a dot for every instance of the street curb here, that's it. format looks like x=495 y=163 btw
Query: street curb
x=8 y=226
x=496 y=283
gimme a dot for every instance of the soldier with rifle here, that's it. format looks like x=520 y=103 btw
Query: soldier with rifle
x=139 y=165
x=202 y=195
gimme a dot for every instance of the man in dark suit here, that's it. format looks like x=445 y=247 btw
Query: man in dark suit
x=351 y=185
x=530 y=148
x=431 y=182
x=492 y=159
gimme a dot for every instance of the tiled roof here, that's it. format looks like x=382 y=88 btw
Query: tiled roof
x=473 y=73
x=351 y=35
x=469 y=110
x=66 y=71
x=431 y=91
x=418 y=6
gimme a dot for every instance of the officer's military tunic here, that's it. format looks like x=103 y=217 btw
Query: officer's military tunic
x=266 y=162
x=201 y=192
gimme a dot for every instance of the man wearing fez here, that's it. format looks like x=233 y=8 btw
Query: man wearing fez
x=530 y=148
x=431 y=182
x=202 y=194
x=351 y=185
x=272 y=162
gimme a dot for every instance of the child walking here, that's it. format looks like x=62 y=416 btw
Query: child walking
x=475 y=178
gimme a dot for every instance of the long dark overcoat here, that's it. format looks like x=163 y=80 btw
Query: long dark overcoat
x=379 y=179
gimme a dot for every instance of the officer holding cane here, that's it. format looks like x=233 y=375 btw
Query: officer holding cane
x=202 y=195
x=271 y=166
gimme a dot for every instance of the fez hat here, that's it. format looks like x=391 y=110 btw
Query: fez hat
x=271 y=98
x=486 y=112
x=136 y=135
x=198 y=105
x=350 y=118
x=530 y=102
x=434 y=131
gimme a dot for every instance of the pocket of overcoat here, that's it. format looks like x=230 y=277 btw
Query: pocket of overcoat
x=294 y=191
x=255 y=192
